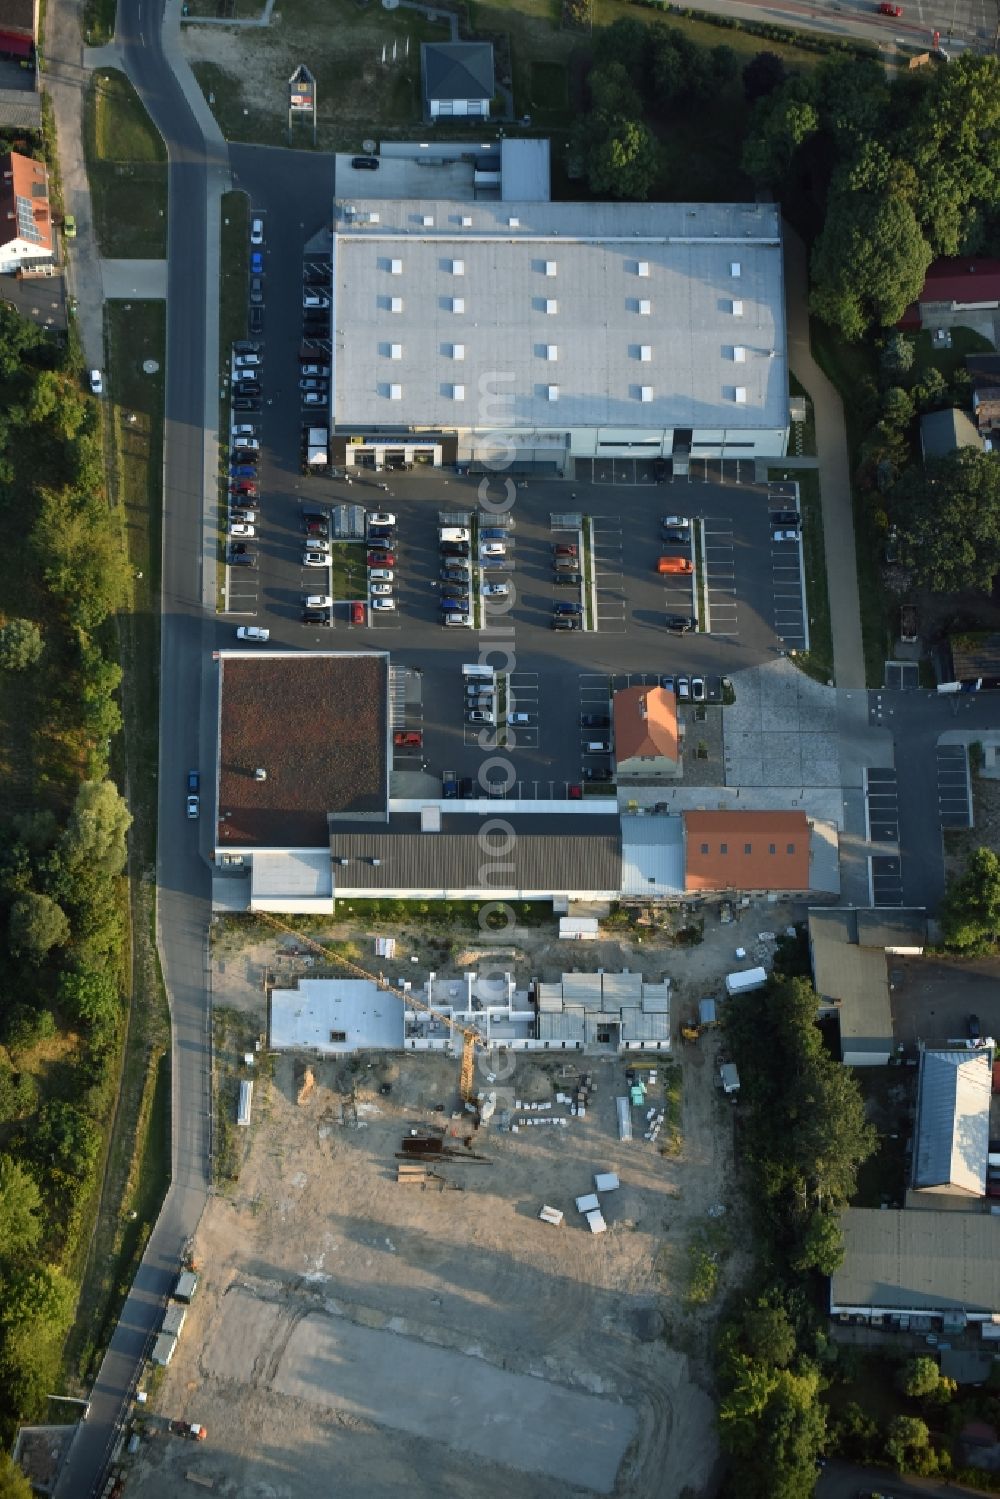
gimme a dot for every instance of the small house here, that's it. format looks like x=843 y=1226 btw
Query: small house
x=457 y=79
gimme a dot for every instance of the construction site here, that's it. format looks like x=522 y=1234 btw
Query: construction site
x=443 y=1268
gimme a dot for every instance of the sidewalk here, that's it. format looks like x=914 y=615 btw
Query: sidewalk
x=65 y=80
x=834 y=472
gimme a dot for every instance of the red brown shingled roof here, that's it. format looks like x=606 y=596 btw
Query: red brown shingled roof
x=732 y=850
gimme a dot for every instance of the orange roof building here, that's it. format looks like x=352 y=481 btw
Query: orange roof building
x=646 y=737
x=733 y=850
x=25 y=218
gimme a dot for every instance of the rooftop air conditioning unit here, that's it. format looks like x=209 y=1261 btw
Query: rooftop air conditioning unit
x=376 y=863
x=260 y=774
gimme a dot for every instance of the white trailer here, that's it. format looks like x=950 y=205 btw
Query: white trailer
x=746 y=980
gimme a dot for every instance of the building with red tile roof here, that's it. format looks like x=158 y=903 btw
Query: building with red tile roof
x=25 y=216
x=955 y=284
x=647 y=745
x=730 y=850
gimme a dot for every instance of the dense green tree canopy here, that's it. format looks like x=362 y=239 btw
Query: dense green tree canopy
x=868 y=264
x=20 y=1205
x=36 y=925
x=970 y=911
x=948 y=510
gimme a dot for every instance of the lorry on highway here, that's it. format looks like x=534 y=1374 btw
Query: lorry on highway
x=746 y=980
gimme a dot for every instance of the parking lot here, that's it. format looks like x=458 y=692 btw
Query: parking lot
x=746 y=594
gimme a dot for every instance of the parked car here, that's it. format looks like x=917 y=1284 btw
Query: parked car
x=479 y=715
x=494 y=533
x=253 y=632
x=315 y=300
x=315 y=559
x=381 y=559
x=595 y=721
x=975 y=1030
x=256 y=231
x=566 y=622
x=496 y=590
x=455 y=619
x=318 y=601
x=518 y=718
x=322 y=371
x=888 y=9
x=381 y=518
x=674 y=536
x=677 y=522
x=785 y=518
x=193 y=793
x=668 y=684
x=317 y=617
x=784 y=535
x=454 y=549
x=383 y=603
x=494 y=549
x=256 y=263
x=572 y=607
x=238 y=513
x=380 y=575
x=243 y=471
x=675 y=565
x=597 y=773
x=358 y=616
x=243 y=402
x=681 y=624
x=245 y=346
x=381 y=590
x=243 y=429
x=256 y=319
x=364 y=163
x=315 y=398
x=698 y=689
x=256 y=291
x=241 y=559
x=450 y=605
x=575 y=793
x=247 y=361
x=96 y=383
x=240 y=528
x=408 y=739
x=660 y=470
x=683 y=689
x=565 y=549
x=313 y=385
x=317 y=528
x=569 y=580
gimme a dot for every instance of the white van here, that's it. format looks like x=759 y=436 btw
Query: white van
x=454 y=533
x=253 y=632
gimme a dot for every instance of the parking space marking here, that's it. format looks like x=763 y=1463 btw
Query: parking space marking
x=607 y=560
x=953 y=788
x=788 y=594
x=522 y=697
x=881 y=805
x=719 y=561
x=885 y=880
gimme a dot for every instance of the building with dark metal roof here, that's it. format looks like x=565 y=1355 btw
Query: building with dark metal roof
x=458 y=80
x=918 y=1263
x=952 y=1135
x=496 y=857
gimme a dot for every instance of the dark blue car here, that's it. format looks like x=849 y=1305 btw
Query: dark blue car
x=243 y=471
x=256 y=262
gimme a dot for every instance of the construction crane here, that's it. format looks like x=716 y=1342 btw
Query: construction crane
x=471 y=1038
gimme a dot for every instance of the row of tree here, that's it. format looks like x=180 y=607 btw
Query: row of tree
x=62 y=850
x=890 y=174
x=804 y=1135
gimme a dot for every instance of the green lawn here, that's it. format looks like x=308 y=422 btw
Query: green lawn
x=349 y=573
x=126 y=165
x=964 y=341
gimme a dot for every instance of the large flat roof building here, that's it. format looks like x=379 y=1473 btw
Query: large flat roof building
x=575 y=330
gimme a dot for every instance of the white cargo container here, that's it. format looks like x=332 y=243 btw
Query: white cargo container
x=746 y=980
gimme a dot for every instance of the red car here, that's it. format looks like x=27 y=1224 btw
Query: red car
x=381 y=559
x=243 y=489
x=565 y=549
x=358 y=614
x=576 y=793
x=408 y=739
x=887 y=9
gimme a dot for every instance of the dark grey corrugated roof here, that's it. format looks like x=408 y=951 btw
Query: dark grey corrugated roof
x=918 y=1260
x=548 y=854
x=19 y=109
x=944 y=432
x=457 y=70
x=885 y=928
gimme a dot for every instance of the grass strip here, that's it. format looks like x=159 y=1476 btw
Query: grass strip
x=127 y=170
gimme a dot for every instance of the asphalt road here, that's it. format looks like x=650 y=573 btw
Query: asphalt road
x=183 y=877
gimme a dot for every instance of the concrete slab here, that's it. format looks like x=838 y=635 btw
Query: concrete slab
x=146 y=280
x=434 y=1393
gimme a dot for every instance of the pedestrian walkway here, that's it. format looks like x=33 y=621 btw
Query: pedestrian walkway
x=834 y=472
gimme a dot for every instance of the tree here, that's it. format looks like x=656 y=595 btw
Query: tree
x=868 y=264
x=95 y=833
x=908 y=1445
x=769 y=1335
x=921 y=1379
x=762 y=75
x=65 y=1140
x=622 y=156
x=20 y=1204
x=970 y=911
x=612 y=91
x=953 y=142
x=781 y=123
x=856 y=1433
x=897 y=406
x=13 y=1484
x=774 y=1423
x=626 y=42
x=20 y=644
x=89 y=995
x=36 y=925
x=949 y=513
x=822 y=1246
x=898 y=354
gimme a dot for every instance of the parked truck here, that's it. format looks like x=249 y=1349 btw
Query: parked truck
x=746 y=980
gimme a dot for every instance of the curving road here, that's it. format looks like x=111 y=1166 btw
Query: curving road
x=184 y=885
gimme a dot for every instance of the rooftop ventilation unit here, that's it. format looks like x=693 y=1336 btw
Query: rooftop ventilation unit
x=458 y=268
x=395 y=351
x=514 y=222
x=645 y=352
x=551 y=352
x=428 y=221
x=551 y=306
x=376 y=863
x=642 y=268
x=395 y=392
x=553 y=392
x=740 y=396
x=735 y=269
x=550 y=268
x=260 y=774
x=645 y=308
x=458 y=392
x=737 y=308
x=396 y=267
x=645 y=393
x=458 y=351
x=395 y=304
x=739 y=355
x=458 y=304
x=466 y=221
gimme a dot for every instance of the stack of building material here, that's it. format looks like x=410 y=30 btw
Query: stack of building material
x=551 y=1215
x=587 y=1204
x=624 y=1118
x=606 y=1181
x=596 y=1221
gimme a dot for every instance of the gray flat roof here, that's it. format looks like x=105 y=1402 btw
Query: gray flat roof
x=308 y=1017
x=546 y=854
x=710 y=352
x=924 y=1261
x=886 y=928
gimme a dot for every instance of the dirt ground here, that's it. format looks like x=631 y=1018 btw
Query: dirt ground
x=441 y=1339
